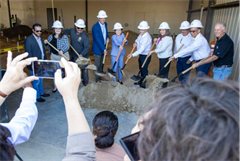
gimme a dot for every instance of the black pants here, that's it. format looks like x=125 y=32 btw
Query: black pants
x=144 y=70
x=98 y=62
x=84 y=71
x=181 y=66
x=165 y=71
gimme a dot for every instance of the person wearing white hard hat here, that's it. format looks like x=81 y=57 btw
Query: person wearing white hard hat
x=185 y=39
x=199 y=48
x=164 y=50
x=80 y=42
x=100 y=39
x=143 y=44
x=60 y=42
x=117 y=41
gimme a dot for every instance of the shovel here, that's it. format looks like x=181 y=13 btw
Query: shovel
x=126 y=63
x=111 y=73
x=137 y=77
x=57 y=50
x=170 y=60
x=104 y=57
x=81 y=60
x=185 y=71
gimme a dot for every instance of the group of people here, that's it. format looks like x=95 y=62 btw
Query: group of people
x=195 y=121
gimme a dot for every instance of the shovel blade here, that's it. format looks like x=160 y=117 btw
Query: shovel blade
x=111 y=72
x=135 y=78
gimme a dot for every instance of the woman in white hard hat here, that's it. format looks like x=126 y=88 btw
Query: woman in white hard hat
x=163 y=50
x=143 y=44
x=117 y=41
x=59 y=41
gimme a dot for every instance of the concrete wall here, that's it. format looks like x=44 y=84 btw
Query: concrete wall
x=127 y=12
x=25 y=10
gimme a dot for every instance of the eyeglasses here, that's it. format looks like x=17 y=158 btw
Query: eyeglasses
x=38 y=30
x=79 y=28
x=193 y=31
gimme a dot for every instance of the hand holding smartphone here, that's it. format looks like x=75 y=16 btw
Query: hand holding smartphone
x=47 y=68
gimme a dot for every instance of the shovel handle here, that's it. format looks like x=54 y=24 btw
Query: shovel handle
x=179 y=48
x=122 y=47
x=167 y=63
x=104 y=57
x=185 y=71
x=57 y=50
x=148 y=55
x=74 y=50
x=130 y=53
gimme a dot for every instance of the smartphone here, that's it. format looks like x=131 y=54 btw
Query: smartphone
x=129 y=144
x=47 y=68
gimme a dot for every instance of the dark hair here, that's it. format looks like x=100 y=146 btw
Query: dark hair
x=196 y=121
x=60 y=35
x=7 y=150
x=167 y=33
x=36 y=25
x=105 y=125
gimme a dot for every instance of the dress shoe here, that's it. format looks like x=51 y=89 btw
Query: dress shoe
x=54 y=90
x=45 y=95
x=143 y=85
x=41 y=100
x=120 y=82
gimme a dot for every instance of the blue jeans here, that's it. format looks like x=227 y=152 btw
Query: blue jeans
x=203 y=69
x=181 y=66
x=221 y=73
x=118 y=66
x=37 y=85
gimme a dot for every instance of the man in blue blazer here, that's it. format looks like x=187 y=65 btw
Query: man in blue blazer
x=35 y=47
x=100 y=38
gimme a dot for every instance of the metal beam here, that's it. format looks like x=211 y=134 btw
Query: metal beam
x=189 y=9
x=225 y=5
x=9 y=13
x=208 y=25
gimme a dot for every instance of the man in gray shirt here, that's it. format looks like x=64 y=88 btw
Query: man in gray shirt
x=80 y=42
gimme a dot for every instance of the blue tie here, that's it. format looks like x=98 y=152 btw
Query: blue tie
x=104 y=33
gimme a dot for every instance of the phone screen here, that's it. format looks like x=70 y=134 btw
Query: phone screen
x=46 y=68
x=129 y=144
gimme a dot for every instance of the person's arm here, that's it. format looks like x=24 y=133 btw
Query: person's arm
x=195 y=46
x=97 y=37
x=208 y=60
x=80 y=144
x=164 y=46
x=142 y=47
x=27 y=47
x=86 y=47
x=25 y=118
x=64 y=43
x=15 y=77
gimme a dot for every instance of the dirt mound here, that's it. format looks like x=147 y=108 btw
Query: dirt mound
x=115 y=97
x=21 y=30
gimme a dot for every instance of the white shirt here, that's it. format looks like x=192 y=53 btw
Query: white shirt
x=199 y=48
x=164 y=47
x=186 y=40
x=25 y=118
x=39 y=41
x=144 y=43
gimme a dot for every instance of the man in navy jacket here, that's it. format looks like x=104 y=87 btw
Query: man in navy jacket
x=100 y=38
x=35 y=47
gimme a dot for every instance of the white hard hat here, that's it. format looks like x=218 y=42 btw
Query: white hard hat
x=164 y=25
x=184 y=25
x=57 y=24
x=143 y=25
x=117 y=26
x=102 y=14
x=80 y=23
x=196 y=23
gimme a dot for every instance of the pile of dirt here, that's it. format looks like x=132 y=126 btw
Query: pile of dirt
x=21 y=30
x=115 y=97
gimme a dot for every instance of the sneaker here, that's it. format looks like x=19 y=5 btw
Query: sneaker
x=41 y=100
x=45 y=95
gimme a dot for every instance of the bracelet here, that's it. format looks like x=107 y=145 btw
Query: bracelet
x=3 y=94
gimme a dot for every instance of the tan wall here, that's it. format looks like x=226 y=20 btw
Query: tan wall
x=129 y=12
x=24 y=10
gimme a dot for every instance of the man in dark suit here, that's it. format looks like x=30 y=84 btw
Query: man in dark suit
x=35 y=47
x=100 y=38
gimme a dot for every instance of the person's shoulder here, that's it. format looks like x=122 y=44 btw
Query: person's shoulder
x=85 y=34
x=228 y=38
